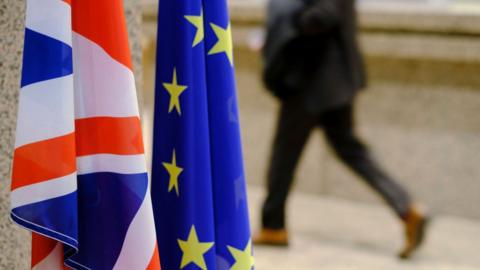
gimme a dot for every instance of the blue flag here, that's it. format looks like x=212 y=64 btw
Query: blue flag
x=198 y=185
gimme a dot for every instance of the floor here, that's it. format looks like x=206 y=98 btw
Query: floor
x=330 y=233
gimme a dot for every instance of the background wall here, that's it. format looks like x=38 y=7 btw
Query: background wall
x=14 y=241
x=420 y=112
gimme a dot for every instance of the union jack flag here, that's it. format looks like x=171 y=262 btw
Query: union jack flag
x=79 y=180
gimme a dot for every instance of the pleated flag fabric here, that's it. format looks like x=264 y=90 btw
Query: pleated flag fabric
x=198 y=185
x=79 y=180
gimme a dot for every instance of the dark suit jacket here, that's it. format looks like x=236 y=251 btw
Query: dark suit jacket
x=311 y=52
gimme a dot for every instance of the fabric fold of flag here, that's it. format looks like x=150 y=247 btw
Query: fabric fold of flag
x=44 y=177
x=79 y=180
x=198 y=185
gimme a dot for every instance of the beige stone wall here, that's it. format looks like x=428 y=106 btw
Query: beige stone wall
x=419 y=113
x=14 y=242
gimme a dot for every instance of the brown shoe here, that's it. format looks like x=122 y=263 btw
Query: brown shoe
x=415 y=225
x=271 y=237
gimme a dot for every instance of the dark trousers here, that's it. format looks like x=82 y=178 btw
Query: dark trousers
x=293 y=130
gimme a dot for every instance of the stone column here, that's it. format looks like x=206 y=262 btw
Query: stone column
x=14 y=241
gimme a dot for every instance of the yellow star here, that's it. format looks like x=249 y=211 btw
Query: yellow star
x=193 y=250
x=197 y=21
x=224 y=43
x=175 y=90
x=174 y=172
x=243 y=258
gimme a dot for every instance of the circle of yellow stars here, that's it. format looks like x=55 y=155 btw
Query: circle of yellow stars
x=193 y=250
x=176 y=89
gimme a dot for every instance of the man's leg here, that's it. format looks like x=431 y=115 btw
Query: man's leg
x=339 y=129
x=293 y=129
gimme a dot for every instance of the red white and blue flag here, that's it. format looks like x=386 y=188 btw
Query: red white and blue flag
x=79 y=180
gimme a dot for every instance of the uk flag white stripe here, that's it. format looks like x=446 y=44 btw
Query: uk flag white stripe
x=38 y=120
x=45 y=16
x=128 y=164
x=43 y=191
x=140 y=236
x=103 y=86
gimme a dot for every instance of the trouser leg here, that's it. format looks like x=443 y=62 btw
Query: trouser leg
x=339 y=129
x=293 y=129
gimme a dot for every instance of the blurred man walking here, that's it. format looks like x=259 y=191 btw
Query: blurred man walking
x=313 y=64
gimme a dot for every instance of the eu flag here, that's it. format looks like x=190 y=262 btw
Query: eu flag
x=198 y=185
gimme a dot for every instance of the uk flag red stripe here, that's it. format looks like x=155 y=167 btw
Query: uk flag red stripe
x=155 y=261
x=102 y=22
x=41 y=248
x=43 y=160
x=112 y=135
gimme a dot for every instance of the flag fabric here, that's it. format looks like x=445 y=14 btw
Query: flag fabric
x=79 y=178
x=198 y=185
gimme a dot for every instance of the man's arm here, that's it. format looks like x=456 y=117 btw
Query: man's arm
x=320 y=16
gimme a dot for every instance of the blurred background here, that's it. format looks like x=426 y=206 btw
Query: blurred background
x=421 y=116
